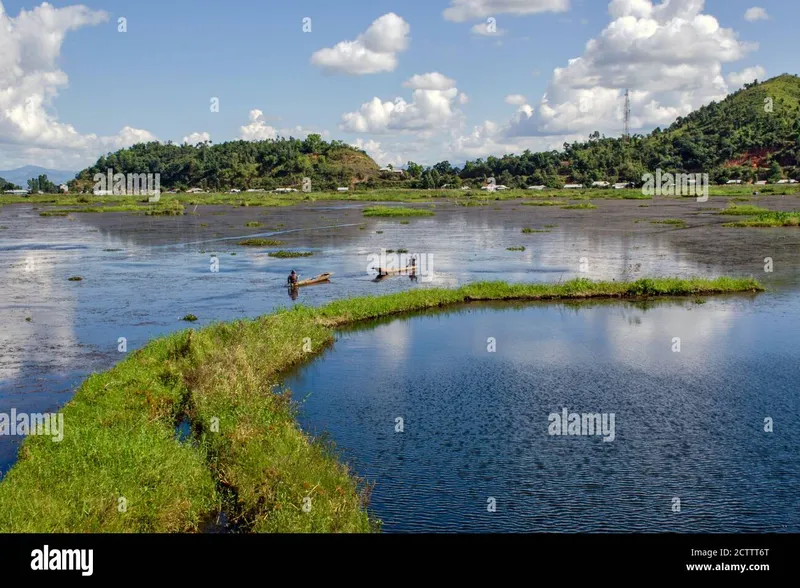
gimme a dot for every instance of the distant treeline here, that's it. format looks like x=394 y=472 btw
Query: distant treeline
x=751 y=135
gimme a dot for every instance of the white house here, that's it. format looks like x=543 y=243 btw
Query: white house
x=392 y=171
x=761 y=183
x=536 y=187
x=235 y=191
x=342 y=189
x=786 y=182
x=195 y=191
x=284 y=190
x=573 y=186
x=103 y=192
x=64 y=188
x=256 y=190
x=465 y=188
x=622 y=185
x=734 y=182
x=16 y=192
x=600 y=184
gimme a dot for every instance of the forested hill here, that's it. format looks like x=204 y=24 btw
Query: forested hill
x=240 y=164
x=752 y=134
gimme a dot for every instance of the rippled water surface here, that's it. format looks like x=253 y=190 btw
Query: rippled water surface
x=689 y=425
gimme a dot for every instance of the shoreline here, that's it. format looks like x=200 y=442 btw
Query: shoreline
x=245 y=454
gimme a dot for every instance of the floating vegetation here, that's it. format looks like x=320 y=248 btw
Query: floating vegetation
x=189 y=317
x=253 y=224
x=112 y=250
x=520 y=248
x=771 y=219
x=401 y=250
x=528 y=230
x=582 y=206
x=669 y=221
x=260 y=243
x=75 y=279
x=545 y=203
x=395 y=211
x=54 y=213
x=286 y=254
x=743 y=210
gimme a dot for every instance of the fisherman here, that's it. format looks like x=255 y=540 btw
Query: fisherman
x=293 y=278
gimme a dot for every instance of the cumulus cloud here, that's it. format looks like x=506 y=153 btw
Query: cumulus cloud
x=746 y=76
x=195 y=138
x=374 y=51
x=257 y=129
x=432 y=107
x=382 y=157
x=669 y=54
x=755 y=13
x=430 y=81
x=517 y=99
x=461 y=10
x=30 y=45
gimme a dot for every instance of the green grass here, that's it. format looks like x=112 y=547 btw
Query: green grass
x=260 y=243
x=544 y=203
x=519 y=248
x=669 y=221
x=289 y=254
x=246 y=455
x=743 y=210
x=582 y=206
x=253 y=224
x=391 y=211
x=769 y=219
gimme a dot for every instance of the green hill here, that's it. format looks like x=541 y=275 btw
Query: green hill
x=240 y=164
x=753 y=134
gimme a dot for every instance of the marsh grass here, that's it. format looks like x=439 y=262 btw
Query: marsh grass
x=257 y=242
x=582 y=206
x=771 y=219
x=669 y=221
x=391 y=211
x=289 y=254
x=519 y=248
x=247 y=454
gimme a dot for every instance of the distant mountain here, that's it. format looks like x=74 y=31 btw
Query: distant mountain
x=21 y=175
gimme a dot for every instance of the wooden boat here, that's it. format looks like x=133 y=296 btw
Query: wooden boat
x=315 y=280
x=398 y=270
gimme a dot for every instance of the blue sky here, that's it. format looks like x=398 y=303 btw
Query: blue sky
x=158 y=77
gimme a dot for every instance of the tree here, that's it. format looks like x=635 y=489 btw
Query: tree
x=775 y=172
x=414 y=169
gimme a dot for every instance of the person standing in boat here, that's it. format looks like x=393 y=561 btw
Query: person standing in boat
x=293 y=278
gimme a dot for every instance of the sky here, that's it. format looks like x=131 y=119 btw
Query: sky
x=405 y=81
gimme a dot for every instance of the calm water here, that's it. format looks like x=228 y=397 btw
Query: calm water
x=688 y=424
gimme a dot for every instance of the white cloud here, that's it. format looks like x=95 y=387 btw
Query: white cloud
x=195 y=138
x=516 y=99
x=30 y=79
x=670 y=55
x=746 y=76
x=430 y=81
x=431 y=108
x=373 y=51
x=755 y=13
x=461 y=10
x=258 y=130
x=382 y=157
x=488 y=29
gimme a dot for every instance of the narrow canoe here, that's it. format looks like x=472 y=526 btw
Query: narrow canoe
x=398 y=270
x=315 y=280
